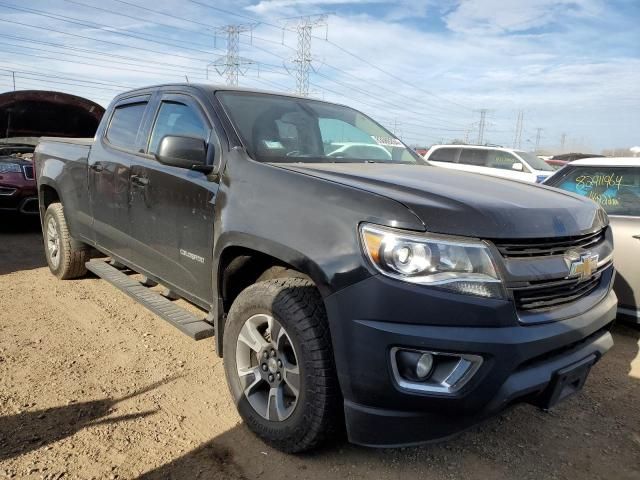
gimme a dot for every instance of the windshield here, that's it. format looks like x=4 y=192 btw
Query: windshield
x=535 y=162
x=284 y=129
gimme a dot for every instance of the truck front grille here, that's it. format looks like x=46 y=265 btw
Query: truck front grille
x=545 y=247
x=544 y=295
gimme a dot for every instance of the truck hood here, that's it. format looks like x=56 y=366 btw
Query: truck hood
x=461 y=203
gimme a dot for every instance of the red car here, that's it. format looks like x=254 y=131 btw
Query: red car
x=17 y=180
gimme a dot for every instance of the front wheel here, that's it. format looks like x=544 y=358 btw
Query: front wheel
x=66 y=257
x=279 y=364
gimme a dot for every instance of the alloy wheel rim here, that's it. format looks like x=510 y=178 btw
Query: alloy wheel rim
x=53 y=243
x=268 y=369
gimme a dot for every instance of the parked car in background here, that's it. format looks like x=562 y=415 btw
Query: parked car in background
x=371 y=151
x=556 y=164
x=25 y=116
x=559 y=161
x=614 y=183
x=18 y=193
x=570 y=157
x=489 y=160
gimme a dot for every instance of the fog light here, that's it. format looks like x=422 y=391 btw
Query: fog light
x=424 y=366
x=433 y=372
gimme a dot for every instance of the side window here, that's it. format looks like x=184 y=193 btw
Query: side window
x=124 y=125
x=444 y=155
x=176 y=118
x=474 y=156
x=502 y=160
x=616 y=189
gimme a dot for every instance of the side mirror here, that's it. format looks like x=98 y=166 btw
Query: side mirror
x=183 y=152
x=517 y=167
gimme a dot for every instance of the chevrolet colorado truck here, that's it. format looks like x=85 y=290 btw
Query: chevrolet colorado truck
x=374 y=292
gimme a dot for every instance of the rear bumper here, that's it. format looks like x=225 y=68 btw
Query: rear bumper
x=370 y=318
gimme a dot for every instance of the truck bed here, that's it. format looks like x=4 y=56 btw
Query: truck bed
x=57 y=157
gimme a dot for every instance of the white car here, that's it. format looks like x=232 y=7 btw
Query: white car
x=495 y=161
x=360 y=150
x=614 y=183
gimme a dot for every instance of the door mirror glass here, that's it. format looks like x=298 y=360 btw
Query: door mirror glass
x=517 y=167
x=183 y=152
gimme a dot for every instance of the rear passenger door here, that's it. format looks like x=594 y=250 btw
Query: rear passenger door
x=172 y=208
x=110 y=161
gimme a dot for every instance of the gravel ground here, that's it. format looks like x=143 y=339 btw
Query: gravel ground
x=92 y=385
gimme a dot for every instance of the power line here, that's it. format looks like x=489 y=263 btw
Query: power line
x=97 y=52
x=164 y=53
x=109 y=67
x=137 y=19
x=103 y=27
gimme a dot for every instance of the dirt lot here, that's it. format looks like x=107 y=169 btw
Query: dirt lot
x=94 y=386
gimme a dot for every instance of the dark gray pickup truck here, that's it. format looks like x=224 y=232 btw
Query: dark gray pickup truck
x=345 y=281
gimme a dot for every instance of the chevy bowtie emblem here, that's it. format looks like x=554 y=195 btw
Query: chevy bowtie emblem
x=581 y=264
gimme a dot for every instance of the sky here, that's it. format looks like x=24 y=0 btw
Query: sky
x=424 y=69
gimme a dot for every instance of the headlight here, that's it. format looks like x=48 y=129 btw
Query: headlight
x=461 y=265
x=10 y=168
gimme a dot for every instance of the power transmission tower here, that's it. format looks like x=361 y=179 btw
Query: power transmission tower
x=538 y=135
x=481 y=125
x=303 y=60
x=517 y=139
x=232 y=65
x=563 y=139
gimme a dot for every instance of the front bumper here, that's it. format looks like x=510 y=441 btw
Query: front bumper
x=368 y=319
x=19 y=198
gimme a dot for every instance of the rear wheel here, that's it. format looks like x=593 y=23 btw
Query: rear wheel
x=279 y=364
x=65 y=256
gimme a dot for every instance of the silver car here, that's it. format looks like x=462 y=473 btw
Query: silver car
x=614 y=183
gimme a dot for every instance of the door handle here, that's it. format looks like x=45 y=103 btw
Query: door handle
x=139 y=181
x=637 y=237
x=97 y=167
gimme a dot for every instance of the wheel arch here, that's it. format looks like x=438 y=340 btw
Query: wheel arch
x=47 y=194
x=244 y=260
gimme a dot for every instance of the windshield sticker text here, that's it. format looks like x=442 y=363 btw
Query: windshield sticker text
x=610 y=180
x=387 y=141
x=603 y=199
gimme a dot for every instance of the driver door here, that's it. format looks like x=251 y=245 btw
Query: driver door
x=172 y=208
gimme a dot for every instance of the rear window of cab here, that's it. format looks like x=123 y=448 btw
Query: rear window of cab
x=616 y=189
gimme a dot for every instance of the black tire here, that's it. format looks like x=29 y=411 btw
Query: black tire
x=296 y=304
x=70 y=257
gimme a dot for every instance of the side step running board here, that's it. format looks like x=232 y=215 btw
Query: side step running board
x=183 y=320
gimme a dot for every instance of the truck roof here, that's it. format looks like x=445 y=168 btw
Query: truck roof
x=608 y=162
x=212 y=88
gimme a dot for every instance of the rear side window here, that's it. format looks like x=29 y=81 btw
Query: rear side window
x=617 y=189
x=124 y=125
x=176 y=118
x=444 y=155
x=500 y=159
x=474 y=157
